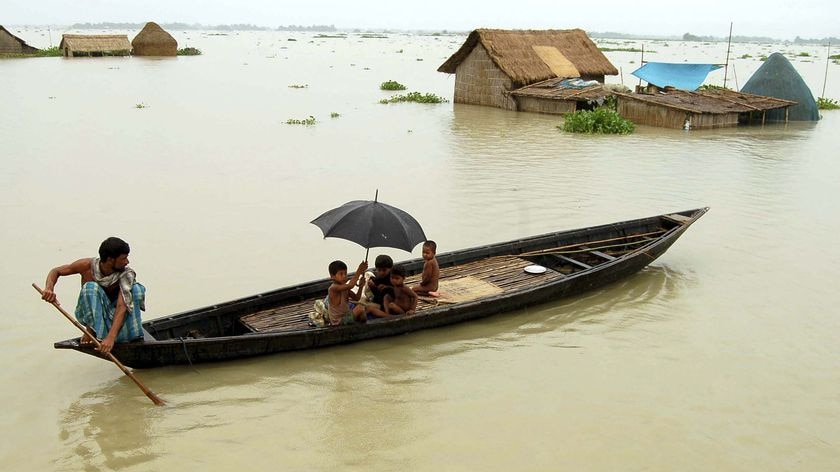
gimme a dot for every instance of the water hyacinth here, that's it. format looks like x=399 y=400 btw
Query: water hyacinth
x=598 y=121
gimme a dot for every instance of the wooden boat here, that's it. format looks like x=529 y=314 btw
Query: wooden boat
x=484 y=280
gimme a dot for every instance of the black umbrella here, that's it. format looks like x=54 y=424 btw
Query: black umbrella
x=371 y=224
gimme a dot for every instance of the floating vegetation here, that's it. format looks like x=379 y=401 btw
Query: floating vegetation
x=803 y=54
x=827 y=104
x=49 y=52
x=334 y=115
x=305 y=121
x=189 y=52
x=834 y=57
x=419 y=59
x=601 y=120
x=391 y=85
x=762 y=58
x=746 y=56
x=299 y=86
x=414 y=97
x=333 y=36
x=373 y=36
x=400 y=51
x=141 y=105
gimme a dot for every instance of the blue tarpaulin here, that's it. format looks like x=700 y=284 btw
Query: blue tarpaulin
x=680 y=76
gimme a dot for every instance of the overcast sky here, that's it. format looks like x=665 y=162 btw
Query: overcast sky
x=784 y=19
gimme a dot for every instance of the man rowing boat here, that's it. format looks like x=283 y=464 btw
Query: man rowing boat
x=111 y=299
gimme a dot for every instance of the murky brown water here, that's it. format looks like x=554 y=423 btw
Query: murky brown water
x=723 y=355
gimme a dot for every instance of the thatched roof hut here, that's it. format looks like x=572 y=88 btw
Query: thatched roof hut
x=154 y=41
x=493 y=62
x=559 y=95
x=777 y=78
x=73 y=45
x=697 y=110
x=11 y=44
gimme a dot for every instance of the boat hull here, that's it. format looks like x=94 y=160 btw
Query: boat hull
x=181 y=349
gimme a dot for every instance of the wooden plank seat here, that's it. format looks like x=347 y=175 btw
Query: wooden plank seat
x=504 y=272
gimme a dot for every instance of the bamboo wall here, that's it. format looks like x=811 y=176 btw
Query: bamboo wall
x=647 y=114
x=10 y=45
x=478 y=81
x=545 y=105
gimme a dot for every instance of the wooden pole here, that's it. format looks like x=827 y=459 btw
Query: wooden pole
x=641 y=63
x=827 y=60
x=157 y=400
x=726 y=65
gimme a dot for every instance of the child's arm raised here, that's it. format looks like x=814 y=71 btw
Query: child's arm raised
x=360 y=272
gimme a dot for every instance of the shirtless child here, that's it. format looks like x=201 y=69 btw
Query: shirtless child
x=431 y=271
x=340 y=292
x=403 y=300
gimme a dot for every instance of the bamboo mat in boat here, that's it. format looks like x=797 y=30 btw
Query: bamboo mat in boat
x=463 y=289
x=484 y=278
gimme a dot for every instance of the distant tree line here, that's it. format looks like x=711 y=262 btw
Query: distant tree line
x=758 y=39
x=711 y=39
x=199 y=26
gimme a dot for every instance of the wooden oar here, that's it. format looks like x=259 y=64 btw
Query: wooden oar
x=95 y=341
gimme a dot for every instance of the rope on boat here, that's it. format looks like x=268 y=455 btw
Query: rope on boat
x=186 y=353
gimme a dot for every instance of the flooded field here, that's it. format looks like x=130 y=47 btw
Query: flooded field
x=722 y=355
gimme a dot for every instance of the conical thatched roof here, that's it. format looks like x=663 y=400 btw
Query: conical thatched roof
x=529 y=56
x=777 y=78
x=153 y=40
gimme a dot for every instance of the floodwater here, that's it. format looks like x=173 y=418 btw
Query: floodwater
x=722 y=355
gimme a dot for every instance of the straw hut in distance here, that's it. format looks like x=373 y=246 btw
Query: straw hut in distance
x=11 y=44
x=492 y=63
x=154 y=41
x=75 y=45
x=778 y=78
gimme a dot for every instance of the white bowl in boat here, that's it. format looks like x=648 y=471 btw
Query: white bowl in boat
x=535 y=269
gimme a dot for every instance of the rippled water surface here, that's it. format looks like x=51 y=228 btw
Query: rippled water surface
x=722 y=355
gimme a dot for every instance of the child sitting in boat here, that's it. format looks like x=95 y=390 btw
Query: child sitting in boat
x=341 y=311
x=380 y=284
x=431 y=271
x=402 y=300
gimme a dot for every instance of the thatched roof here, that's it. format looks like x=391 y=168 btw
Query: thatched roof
x=778 y=78
x=95 y=42
x=553 y=89
x=529 y=56
x=153 y=40
x=713 y=102
x=24 y=48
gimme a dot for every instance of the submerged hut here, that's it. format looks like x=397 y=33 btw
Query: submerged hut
x=492 y=63
x=683 y=109
x=777 y=78
x=561 y=95
x=11 y=44
x=74 y=45
x=154 y=41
